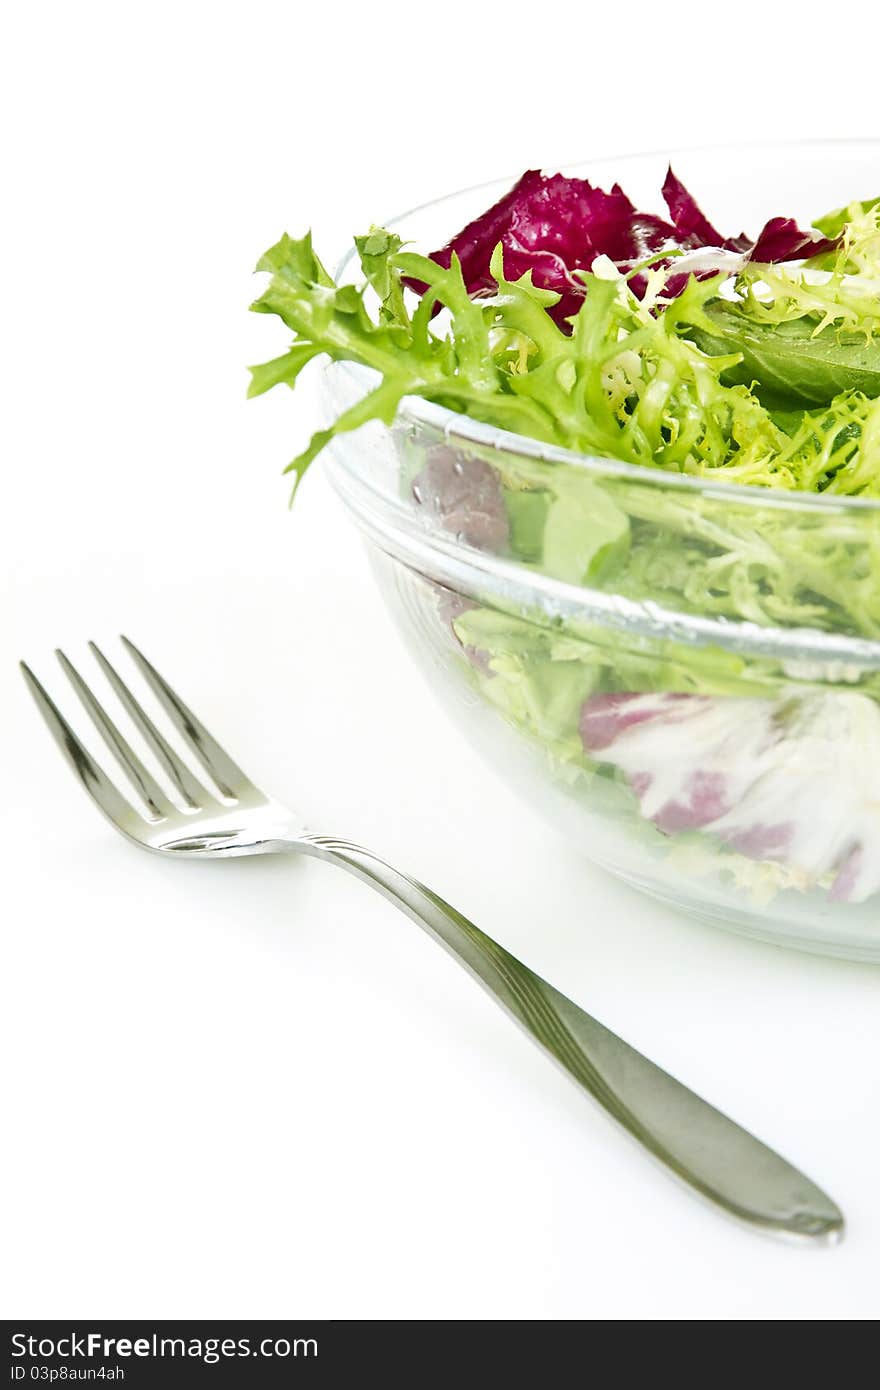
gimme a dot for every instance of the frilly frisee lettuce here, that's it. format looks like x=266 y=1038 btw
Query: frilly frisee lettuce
x=628 y=381
x=804 y=335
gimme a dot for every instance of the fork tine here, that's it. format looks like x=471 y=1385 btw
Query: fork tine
x=93 y=778
x=216 y=762
x=194 y=794
x=143 y=781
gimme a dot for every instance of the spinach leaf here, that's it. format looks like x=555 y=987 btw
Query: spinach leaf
x=790 y=361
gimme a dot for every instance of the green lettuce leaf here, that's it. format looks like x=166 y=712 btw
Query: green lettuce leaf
x=790 y=360
x=831 y=224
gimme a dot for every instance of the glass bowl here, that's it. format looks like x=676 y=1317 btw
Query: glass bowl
x=674 y=670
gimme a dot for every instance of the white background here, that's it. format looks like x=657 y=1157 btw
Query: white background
x=253 y=1089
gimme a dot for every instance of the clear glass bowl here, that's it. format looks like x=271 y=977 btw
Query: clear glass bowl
x=614 y=639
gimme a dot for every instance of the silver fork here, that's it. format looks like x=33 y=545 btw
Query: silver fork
x=228 y=815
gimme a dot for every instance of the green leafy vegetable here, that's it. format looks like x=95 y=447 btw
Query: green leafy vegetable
x=665 y=385
x=791 y=360
x=585 y=532
x=833 y=223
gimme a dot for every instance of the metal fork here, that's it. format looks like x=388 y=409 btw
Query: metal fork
x=229 y=815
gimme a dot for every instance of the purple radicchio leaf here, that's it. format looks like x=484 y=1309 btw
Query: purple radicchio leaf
x=789 y=781
x=450 y=607
x=781 y=239
x=555 y=226
x=464 y=496
x=692 y=227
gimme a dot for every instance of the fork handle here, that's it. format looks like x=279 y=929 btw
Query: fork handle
x=709 y=1151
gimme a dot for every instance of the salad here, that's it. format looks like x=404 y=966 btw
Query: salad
x=567 y=315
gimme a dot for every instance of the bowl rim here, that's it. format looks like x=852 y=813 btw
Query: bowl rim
x=461 y=427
